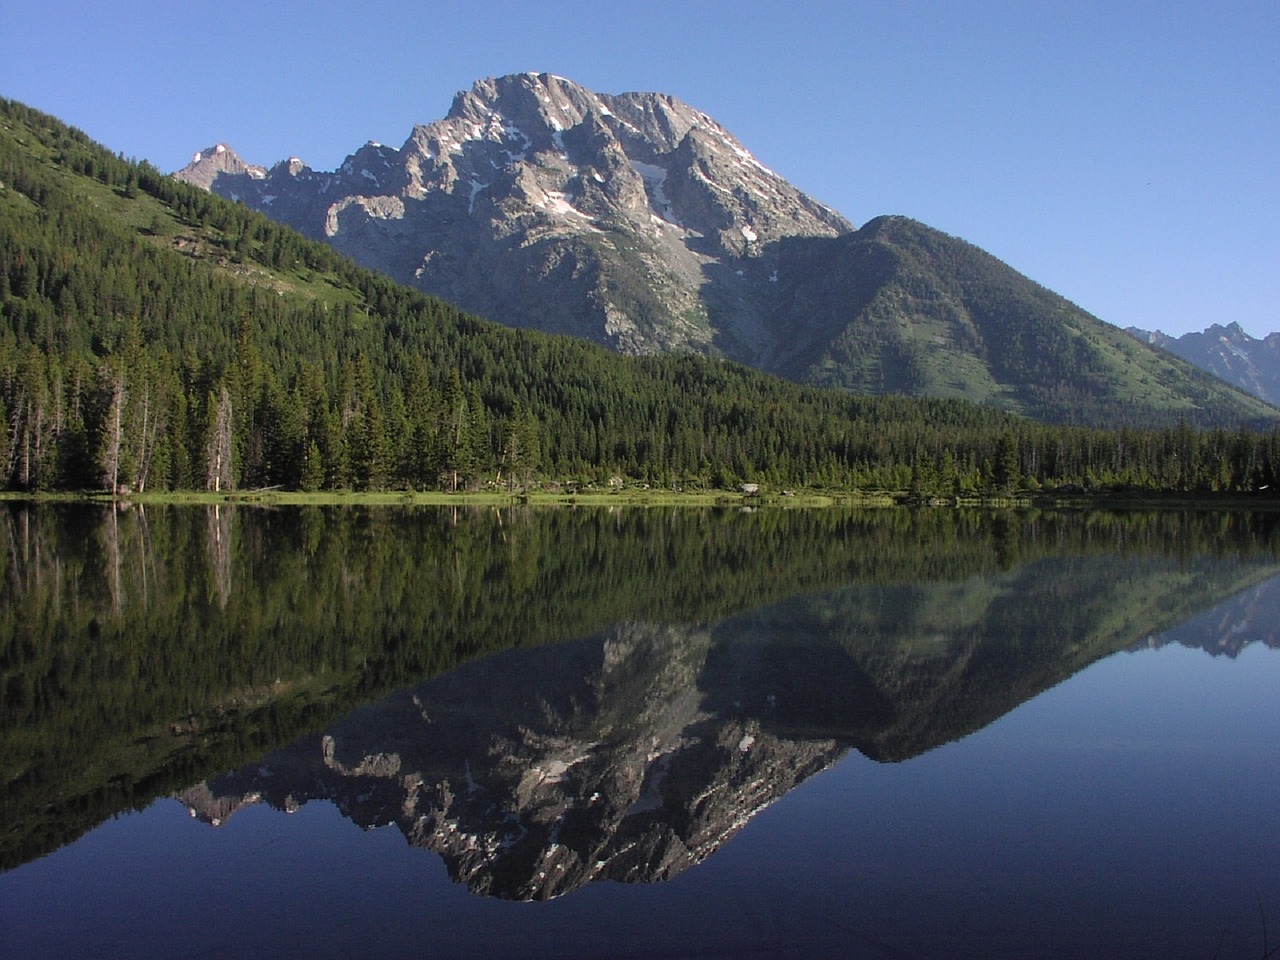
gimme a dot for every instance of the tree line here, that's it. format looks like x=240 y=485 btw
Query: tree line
x=157 y=337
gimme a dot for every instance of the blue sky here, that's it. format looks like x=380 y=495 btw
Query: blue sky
x=1126 y=155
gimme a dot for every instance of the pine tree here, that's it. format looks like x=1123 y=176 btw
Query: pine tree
x=1006 y=471
x=312 y=476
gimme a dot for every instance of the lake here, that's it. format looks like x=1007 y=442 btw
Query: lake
x=452 y=732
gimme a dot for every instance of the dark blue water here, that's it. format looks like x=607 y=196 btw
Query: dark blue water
x=1130 y=811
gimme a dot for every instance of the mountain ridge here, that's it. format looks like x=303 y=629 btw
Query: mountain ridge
x=634 y=753
x=160 y=337
x=1227 y=352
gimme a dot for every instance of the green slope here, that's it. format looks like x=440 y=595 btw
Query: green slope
x=899 y=306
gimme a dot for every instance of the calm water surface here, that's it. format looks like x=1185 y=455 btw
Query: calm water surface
x=437 y=733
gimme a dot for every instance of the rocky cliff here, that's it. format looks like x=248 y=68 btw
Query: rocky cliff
x=595 y=760
x=635 y=753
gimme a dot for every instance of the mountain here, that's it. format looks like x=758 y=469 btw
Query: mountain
x=209 y=166
x=640 y=223
x=143 y=318
x=543 y=204
x=900 y=307
x=1229 y=353
x=1249 y=617
x=203 y=638
x=535 y=772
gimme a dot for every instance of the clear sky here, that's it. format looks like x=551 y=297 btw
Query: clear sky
x=1123 y=153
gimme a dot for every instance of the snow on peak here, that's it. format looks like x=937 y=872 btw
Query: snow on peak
x=655 y=182
x=476 y=187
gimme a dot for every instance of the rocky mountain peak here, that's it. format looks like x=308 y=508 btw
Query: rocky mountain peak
x=618 y=768
x=537 y=100
x=212 y=163
x=1229 y=352
x=638 y=204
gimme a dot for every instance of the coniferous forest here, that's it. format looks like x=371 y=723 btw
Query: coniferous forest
x=156 y=337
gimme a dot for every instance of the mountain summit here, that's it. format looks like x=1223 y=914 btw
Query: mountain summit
x=642 y=224
x=647 y=219
x=213 y=163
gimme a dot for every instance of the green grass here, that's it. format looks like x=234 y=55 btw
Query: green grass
x=648 y=498
x=635 y=497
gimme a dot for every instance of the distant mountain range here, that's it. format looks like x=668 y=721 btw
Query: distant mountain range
x=1227 y=352
x=642 y=224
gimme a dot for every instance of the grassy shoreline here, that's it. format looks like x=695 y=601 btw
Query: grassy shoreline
x=595 y=498
x=1101 y=500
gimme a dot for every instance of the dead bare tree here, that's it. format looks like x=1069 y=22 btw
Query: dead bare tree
x=113 y=443
x=219 y=473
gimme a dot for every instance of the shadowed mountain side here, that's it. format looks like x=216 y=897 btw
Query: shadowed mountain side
x=900 y=670
x=636 y=753
x=899 y=307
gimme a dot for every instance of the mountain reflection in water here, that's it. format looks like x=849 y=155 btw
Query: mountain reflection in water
x=638 y=751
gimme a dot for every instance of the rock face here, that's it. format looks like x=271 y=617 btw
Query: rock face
x=216 y=163
x=647 y=218
x=1250 y=617
x=1227 y=352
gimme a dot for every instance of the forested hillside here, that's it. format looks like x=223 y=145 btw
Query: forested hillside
x=157 y=337
x=910 y=309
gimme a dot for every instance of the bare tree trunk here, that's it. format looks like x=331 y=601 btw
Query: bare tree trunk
x=116 y=418
x=113 y=560
x=219 y=546
x=146 y=441
x=219 y=471
x=39 y=435
x=24 y=474
x=10 y=461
